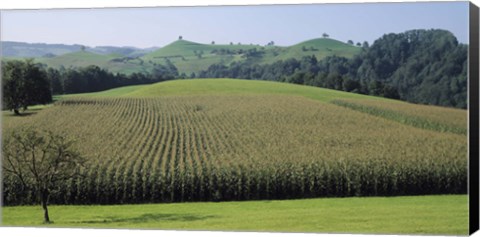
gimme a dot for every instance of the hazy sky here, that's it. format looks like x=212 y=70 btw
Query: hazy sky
x=286 y=25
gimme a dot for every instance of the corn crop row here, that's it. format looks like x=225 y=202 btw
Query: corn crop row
x=217 y=148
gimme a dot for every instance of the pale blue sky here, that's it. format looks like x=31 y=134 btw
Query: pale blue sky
x=286 y=25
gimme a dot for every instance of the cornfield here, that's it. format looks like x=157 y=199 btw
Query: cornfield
x=242 y=147
x=421 y=116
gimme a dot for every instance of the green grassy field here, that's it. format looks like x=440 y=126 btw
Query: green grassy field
x=443 y=215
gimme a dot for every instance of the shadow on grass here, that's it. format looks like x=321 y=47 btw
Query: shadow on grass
x=146 y=218
x=22 y=114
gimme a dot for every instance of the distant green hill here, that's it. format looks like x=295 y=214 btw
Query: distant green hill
x=111 y=62
x=189 y=57
x=187 y=48
x=321 y=48
x=78 y=59
x=21 y=49
x=193 y=57
x=36 y=50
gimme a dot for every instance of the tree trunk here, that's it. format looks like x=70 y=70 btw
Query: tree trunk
x=16 y=112
x=46 y=218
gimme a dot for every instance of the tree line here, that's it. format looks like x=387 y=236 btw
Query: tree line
x=419 y=66
x=93 y=78
x=28 y=83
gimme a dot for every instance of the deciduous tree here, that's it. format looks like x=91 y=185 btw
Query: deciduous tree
x=24 y=84
x=40 y=160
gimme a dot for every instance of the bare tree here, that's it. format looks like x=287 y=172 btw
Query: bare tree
x=40 y=160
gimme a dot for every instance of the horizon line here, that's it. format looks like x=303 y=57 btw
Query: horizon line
x=226 y=44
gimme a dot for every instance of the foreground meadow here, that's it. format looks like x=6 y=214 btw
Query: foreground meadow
x=441 y=215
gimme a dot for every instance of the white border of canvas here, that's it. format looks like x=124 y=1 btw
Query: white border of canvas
x=75 y=232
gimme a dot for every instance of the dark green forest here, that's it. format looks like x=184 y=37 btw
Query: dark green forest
x=418 y=66
x=93 y=78
x=27 y=83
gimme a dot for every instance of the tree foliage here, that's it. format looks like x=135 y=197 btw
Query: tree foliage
x=24 y=83
x=424 y=66
x=40 y=160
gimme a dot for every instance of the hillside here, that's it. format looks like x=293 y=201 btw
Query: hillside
x=421 y=116
x=320 y=48
x=79 y=59
x=187 y=48
x=223 y=140
x=224 y=86
x=112 y=62
x=189 y=57
x=39 y=50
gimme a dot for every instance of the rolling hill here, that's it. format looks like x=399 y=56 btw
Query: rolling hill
x=38 y=50
x=224 y=86
x=321 y=48
x=112 y=62
x=189 y=57
x=431 y=117
x=187 y=48
x=78 y=59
